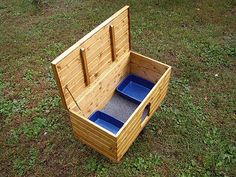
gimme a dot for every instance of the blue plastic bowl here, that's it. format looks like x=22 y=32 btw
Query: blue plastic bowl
x=106 y=121
x=135 y=88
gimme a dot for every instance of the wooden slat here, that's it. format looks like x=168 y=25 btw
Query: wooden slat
x=93 y=136
x=77 y=92
x=97 y=69
x=129 y=129
x=110 y=77
x=113 y=44
x=95 y=41
x=106 y=44
x=89 y=129
x=155 y=104
x=120 y=22
x=69 y=65
x=160 y=87
x=74 y=65
x=59 y=85
x=144 y=73
x=106 y=56
x=97 y=96
x=158 y=101
x=104 y=64
x=130 y=139
x=149 y=63
x=92 y=54
x=89 y=35
x=134 y=120
x=90 y=143
x=129 y=21
x=103 y=132
x=85 y=66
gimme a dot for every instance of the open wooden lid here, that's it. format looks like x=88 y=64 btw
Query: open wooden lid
x=80 y=65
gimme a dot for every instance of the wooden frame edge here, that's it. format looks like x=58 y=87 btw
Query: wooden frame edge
x=59 y=85
x=129 y=22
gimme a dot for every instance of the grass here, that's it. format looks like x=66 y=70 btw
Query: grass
x=191 y=134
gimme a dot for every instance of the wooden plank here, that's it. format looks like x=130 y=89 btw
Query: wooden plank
x=106 y=56
x=158 y=89
x=89 y=35
x=145 y=73
x=104 y=64
x=103 y=132
x=76 y=82
x=72 y=72
x=85 y=66
x=148 y=62
x=97 y=96
x=126 y=131
x=156 y=101
x=105 y=47
x=69 y=62
x=113 y=44
x=129 y=141
x=110 y=78
x=155 y=104
x=129 y=21
x=89 y=130
x=130 y=132
x=95 y=137
x=94 y=41
x=78 y=94
x=99 y=48
x=129 y=129
x=59 y=85
x=94 y=71
x=84 y=139
x=119 y=23
x=123 y=51
x=79 y=90
x=92 y=50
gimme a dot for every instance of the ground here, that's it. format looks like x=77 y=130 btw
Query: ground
x=191 y=134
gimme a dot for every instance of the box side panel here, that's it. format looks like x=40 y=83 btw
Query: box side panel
x=98 y=52
x=134 y=125
x=91 y=135
x=146 y=67
x=158 y=96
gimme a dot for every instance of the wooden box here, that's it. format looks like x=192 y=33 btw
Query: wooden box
x=88 y=73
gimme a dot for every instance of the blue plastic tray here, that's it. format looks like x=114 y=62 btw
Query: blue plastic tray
x=135 y=88
x=106 y=121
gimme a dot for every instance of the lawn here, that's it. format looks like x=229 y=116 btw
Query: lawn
x=191 y=134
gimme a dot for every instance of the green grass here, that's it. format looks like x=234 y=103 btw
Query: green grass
x=191 y=134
